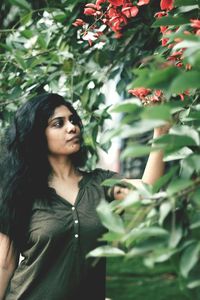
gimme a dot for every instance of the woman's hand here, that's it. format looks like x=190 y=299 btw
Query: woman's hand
x=119 y=193
x=162 y=130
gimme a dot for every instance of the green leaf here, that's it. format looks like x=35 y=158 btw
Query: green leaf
x=137 y=151
x=185 y=81
x=178 y=185
x=140 y=127
x=27 y=33
x=196 y=197
x=109 y=134
x=128 y=106
x=138 y=234
x=21 y=3
x=106 y=251
x=133 y=198
x=191 y=48
x=188 y=8
x=177 y=155
x=175 y=235
x=112 y=182
x=193 y=116
x=60 y=18
x=166 y=21
x=164 y=179
x=196 y=224
x=186 y=2
x=158 y=79
x=164 y=210
x=42 y=41
x=189 y=258
x=189 y=165
x=110 y=236
x=160 y=112
x=110 y=220
x=193 y=284
x=21 y=62
x=159 y=256
x=185 y=130
x=138 y=251
x=68 y=65
x=174 y=142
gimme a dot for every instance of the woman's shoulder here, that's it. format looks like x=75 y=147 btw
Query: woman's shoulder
x=103 y=174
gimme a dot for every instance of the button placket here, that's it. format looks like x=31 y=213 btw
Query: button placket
x=76 y=222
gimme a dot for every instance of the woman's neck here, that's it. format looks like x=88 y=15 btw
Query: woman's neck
x=62 y=168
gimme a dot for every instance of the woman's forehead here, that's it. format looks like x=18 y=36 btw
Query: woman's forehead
x=61 y=111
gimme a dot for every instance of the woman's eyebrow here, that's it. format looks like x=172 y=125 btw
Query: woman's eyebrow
x=59 y=118
x=55 y=118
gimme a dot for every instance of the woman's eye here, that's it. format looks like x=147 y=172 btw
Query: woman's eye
x=58 y=124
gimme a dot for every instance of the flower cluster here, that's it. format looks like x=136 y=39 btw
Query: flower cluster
x=115 y=14
x=112 y=13
x=147 y=96
x=173 y=56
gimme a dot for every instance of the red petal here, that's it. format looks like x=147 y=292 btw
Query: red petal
x=143 y=2
x=167 y=4
x=116 y=2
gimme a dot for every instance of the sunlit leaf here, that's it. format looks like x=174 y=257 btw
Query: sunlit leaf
x=109 y=219
x=178 y=185
x=189 y=258
x=106 y=251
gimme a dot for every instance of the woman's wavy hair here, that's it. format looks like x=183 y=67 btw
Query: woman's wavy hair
x=24 y=165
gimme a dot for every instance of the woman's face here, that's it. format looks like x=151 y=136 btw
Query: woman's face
x=62 y=132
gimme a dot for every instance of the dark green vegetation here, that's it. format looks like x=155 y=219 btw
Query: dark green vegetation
x=130 y=280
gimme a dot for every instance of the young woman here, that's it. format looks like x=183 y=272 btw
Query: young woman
x=48 y=205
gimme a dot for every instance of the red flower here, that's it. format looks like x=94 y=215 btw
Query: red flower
x=130 y=11
x=179 y=64
x=163 y=29
x=195 y=23
x=143 y=2
x=167 y=4
x=164 y=41
x=112 y=12
x=89 y=11
x=116 y=2
x=160 y=14
x=118 y=35
x=158 y=93
x=78 y=22
x=92 y=5
x=140 y=92
x=90 y=42
x=99 y=2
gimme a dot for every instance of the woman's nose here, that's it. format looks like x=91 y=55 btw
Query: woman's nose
x=70 y=127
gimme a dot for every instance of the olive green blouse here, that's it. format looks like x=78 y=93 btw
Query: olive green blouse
x=59 y=237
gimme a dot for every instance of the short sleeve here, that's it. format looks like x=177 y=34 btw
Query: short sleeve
x=107 y=174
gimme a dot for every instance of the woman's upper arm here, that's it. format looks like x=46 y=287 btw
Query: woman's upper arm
x=9 y=256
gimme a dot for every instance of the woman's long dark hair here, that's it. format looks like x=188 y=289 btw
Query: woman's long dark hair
x=24 y=162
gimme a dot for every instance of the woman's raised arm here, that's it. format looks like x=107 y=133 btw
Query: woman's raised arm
x=154 y=168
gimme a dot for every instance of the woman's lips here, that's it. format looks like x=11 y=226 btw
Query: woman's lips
x=74 y=139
